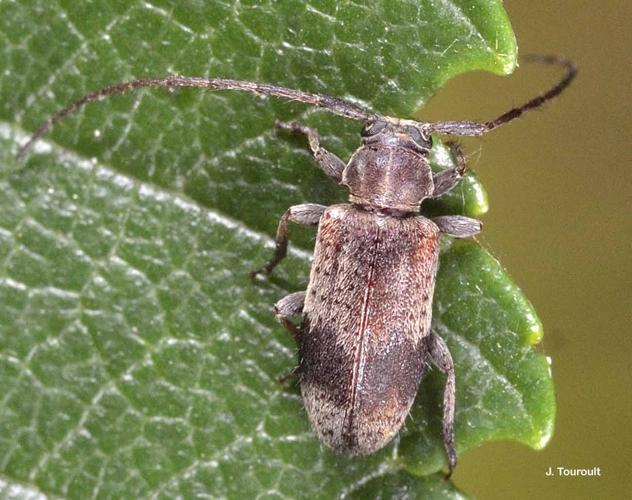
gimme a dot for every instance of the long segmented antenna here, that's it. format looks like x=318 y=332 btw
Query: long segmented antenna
x=333 y=104
x=471 y=128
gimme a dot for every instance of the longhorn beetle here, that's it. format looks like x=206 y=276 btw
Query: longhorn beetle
x=365 y=338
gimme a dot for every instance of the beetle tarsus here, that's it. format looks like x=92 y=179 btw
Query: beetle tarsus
x=292 y=375
x=441 y=358
x=308 y=214
x=288 y=307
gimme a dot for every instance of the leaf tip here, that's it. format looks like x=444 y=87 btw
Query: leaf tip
x=545 y=434
x=477 y=204
x=534 y=331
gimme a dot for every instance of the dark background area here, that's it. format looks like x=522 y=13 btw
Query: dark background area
x=560 y=220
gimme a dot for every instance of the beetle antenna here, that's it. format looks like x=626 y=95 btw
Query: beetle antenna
x=332 y=104
x=471 y=128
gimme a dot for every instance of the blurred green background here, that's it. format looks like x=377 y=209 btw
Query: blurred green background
x=560 y=220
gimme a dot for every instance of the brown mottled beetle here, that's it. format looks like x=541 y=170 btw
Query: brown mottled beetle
x=365 y=339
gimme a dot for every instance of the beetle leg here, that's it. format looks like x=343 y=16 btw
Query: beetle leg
x=446 y=180
x=291 y=375
x=441 y=358
x=308 y=214
x=328 y=162
x=458 y=225
x=289 y=306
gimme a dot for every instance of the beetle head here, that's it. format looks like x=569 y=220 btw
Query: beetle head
x=404 y=134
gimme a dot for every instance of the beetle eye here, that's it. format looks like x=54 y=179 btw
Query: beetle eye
x=416 y=135
x=372 y=128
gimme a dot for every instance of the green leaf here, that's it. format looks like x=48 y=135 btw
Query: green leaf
x=402 y=486
x=136 y=357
